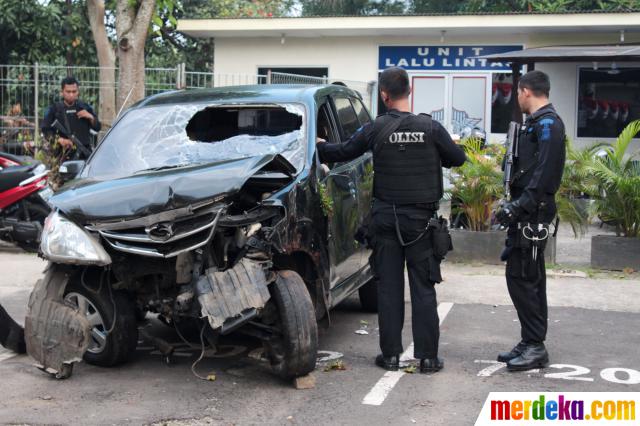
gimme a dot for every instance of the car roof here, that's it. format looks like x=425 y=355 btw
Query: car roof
x=261 y=93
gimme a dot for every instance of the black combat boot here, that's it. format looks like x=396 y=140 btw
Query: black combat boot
x=431 y=365
x=390 y=363
x=514 y=353
x=533 y=356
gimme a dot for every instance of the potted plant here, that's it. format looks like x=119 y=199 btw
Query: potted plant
x=476 y=188
x=572 y=199
x=615 y=177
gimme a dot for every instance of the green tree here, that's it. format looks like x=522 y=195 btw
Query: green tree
x=547 y=5
x=75 y=34
x=381 y=7
x=352 y=7
x=167 y=47
x=437 y=6
x=29 y=31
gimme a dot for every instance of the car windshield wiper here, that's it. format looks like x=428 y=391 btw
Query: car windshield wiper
x=172 y=166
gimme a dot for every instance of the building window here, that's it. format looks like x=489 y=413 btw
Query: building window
x=503 y=99
x=609 y=99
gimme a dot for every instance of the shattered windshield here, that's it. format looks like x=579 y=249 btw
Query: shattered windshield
x=170 y=136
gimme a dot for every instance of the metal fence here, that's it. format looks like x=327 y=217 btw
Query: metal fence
x=368 y=90
x=26 y=91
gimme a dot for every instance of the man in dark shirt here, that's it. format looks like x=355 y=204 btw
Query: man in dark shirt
x=409 y=152
x=536 y=178
x=76 y=116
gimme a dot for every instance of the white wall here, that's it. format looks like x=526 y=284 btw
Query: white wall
x=563 y=94
x=356 y=58
x=348 y=58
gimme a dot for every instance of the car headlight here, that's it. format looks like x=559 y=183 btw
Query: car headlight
x=65 y=242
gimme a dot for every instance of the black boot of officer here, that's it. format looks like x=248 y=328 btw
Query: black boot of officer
x=409 y=152
x=539 y=165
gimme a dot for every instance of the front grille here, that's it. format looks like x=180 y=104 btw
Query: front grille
x=154 y=237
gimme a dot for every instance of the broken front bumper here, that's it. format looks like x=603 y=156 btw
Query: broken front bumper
x=56 y=335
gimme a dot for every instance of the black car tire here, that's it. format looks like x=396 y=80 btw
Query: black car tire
x=369 y=296
x=294 y=352
x=121 y=342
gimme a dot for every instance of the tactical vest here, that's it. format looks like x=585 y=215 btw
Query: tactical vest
x=528 y=153
x=526 y=163
x=407 y=167
x=67 y=115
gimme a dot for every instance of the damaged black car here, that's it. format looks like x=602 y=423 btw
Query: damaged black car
x=210 y=209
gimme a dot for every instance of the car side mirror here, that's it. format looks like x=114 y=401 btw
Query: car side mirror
x=70 y=169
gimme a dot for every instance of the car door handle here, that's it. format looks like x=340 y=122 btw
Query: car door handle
x=352 y=189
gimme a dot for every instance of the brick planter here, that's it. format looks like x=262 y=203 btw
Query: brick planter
x=486 y=247
x=615 y=253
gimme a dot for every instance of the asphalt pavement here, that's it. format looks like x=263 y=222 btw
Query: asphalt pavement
x=593 y=322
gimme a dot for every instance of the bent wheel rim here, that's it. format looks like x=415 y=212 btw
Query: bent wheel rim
x=98 y=341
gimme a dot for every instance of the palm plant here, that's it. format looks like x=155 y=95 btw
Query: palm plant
x=576 y=184
x=616 y=184
x=477 y=184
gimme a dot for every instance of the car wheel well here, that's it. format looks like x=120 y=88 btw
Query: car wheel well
x=302 y=263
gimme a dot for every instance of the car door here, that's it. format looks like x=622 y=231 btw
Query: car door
x=341 y=190
x=363 y=168
x=349 y=122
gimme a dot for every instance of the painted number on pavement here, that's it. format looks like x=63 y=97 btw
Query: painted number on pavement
x=625 y=376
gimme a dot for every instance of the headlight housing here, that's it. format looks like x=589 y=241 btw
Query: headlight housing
x=65 y=242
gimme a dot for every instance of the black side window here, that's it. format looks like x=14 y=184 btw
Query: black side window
x=325 y=128
x=361 y=111
x=347 y=117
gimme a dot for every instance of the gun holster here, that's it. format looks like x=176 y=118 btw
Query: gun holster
x=362 y=233
x=440 y=237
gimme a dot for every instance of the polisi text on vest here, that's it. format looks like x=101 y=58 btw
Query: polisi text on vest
x=406 y=137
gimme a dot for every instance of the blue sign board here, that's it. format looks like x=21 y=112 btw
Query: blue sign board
x=442 y=58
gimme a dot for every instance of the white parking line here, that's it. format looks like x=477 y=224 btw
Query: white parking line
x=381 y=390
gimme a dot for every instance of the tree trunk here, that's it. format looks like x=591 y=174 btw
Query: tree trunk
x=67 y=36
x=106 y=61
x=132 y=26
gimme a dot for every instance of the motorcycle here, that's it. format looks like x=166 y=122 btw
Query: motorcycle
x=24 y=192
x=9 y=160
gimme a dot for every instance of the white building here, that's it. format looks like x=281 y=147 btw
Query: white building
x=443 y=55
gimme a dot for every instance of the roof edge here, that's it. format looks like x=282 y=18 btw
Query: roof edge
x=413 y=15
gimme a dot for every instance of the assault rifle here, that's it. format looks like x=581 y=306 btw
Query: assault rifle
x=66 y=133
x=510 y=156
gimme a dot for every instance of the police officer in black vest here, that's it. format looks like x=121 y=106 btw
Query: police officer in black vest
x=408 y=154
x=537 y=172
x=76 y=116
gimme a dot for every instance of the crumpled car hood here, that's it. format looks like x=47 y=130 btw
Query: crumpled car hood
x=85 y=200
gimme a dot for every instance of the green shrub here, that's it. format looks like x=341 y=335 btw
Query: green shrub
x=477 y=184
x=614 y=183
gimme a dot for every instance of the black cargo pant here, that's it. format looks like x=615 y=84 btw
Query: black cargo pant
x=527 y=284
x=389 y=258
